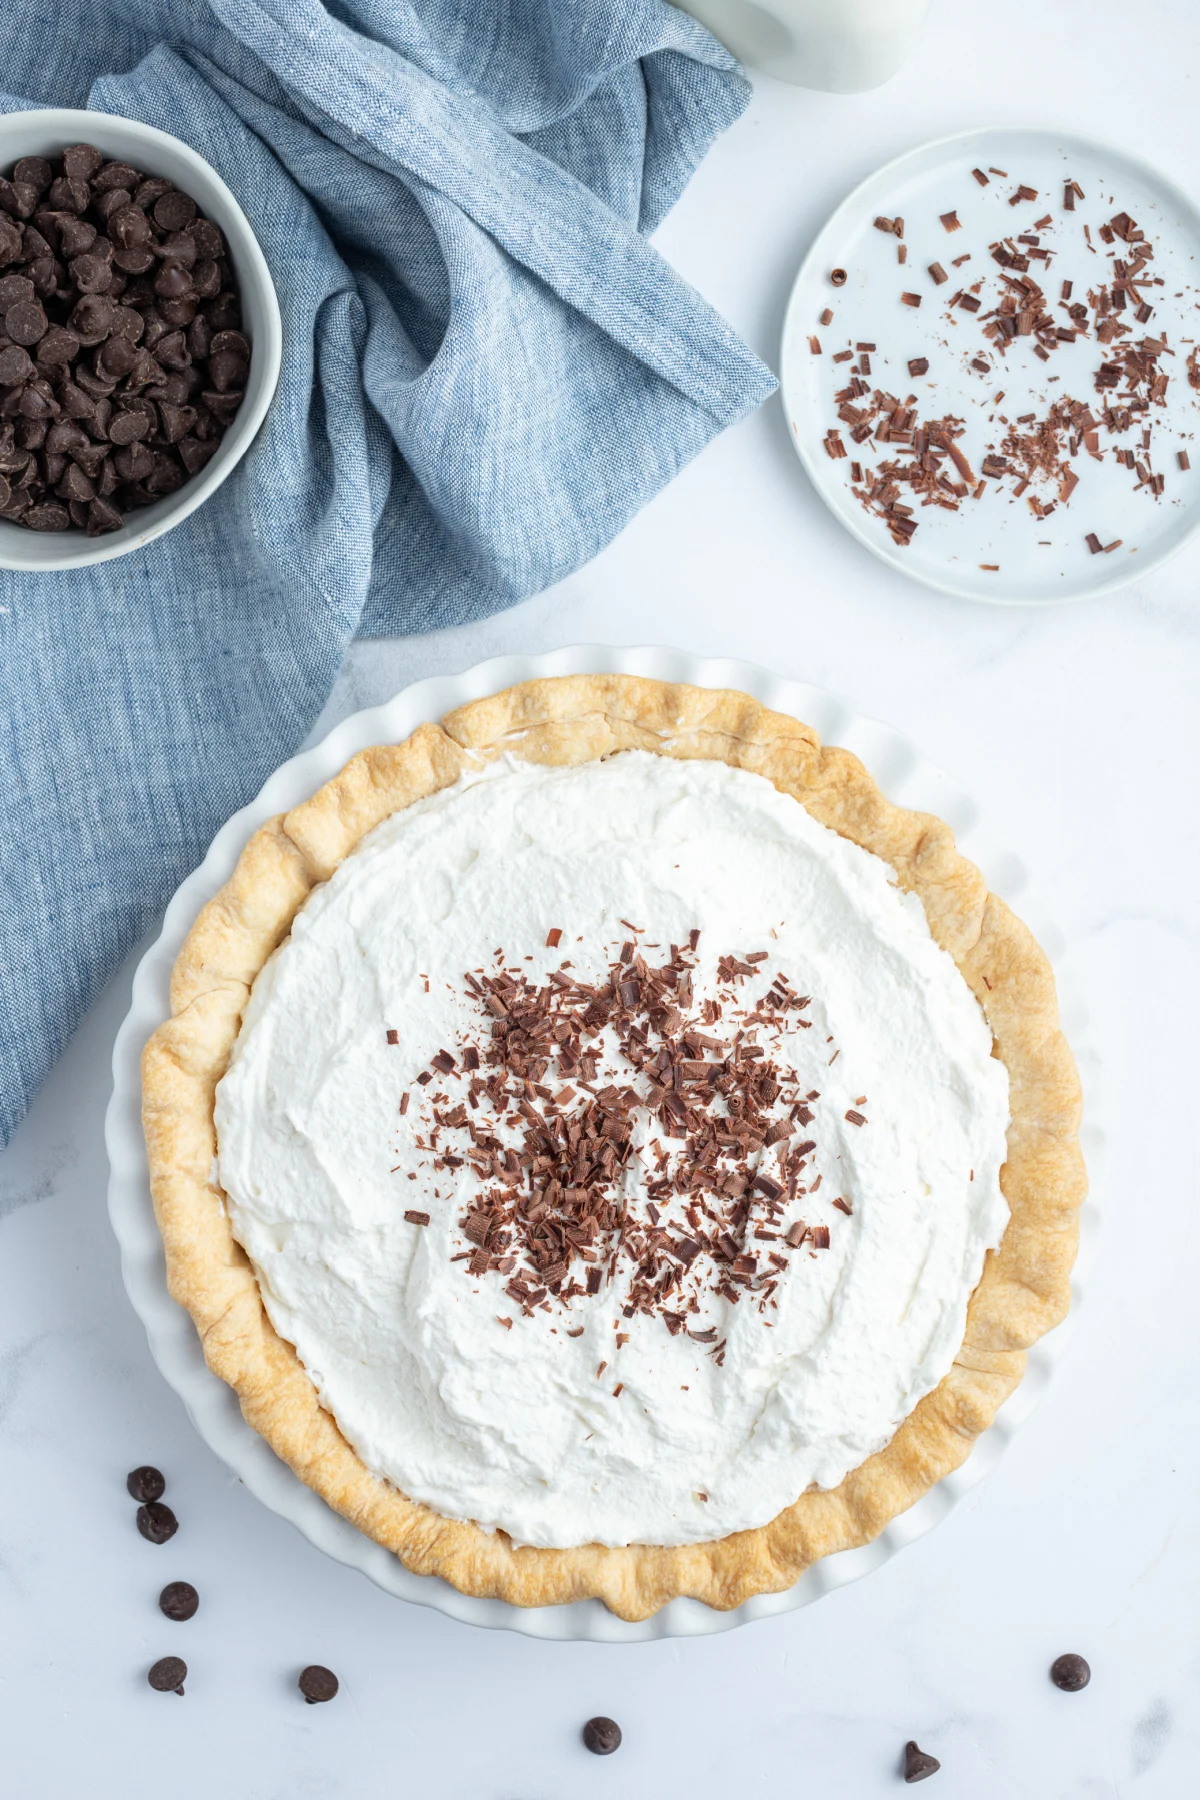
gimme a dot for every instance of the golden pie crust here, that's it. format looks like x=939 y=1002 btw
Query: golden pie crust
x=1024 y=1289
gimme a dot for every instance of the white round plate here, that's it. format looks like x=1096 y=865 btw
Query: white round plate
x=905 y=776
x=1039 y=561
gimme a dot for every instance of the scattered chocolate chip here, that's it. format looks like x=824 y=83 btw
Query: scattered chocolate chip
x=156 y=1522
x=1070 y=1673
x=918 y=1764
x=179 y=1601
x=602 y=1736
x=168 y=1675
x=317 y=1684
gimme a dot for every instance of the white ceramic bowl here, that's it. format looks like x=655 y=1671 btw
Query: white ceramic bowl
x=906 y=778
x=45 y=133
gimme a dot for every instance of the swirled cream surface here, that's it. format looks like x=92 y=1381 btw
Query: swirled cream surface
x=772 y=1337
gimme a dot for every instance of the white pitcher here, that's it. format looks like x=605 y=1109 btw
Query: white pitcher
x=843 y=46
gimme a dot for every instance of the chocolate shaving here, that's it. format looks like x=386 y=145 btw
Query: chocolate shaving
x=715 y=1114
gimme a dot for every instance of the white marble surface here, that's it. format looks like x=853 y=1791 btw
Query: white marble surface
x=1079 y=730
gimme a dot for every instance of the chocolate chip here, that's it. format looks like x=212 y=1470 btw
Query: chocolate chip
x=10 y=240
x=135 y=261
x=168 y=473
x=91 y=274
x=1070 y=1673
x=44 y=274
x=207 y=239
x=17 y=198
x=148 y=191
x=228 y=372
x=196 y=452
x=134 y=462
x=92 y=319
x=37 y=401
x=69 y=196
x=129 y=426
x=25 y=322
x=171 y=351
x=14 y=289
x=47 y=517
x=156 y=1522
x=81 y=161
x=206 y=279
x=76 y=236
x=918 y=1764
x=146 y=1483
x=223 y=312
x=115 y=357
x=35 y=170
x=177 y=421
x=112 y=176
x=602 y=1736
x=110 y=204
x=168 y=1675
x=34 y=245
x=102 y=517
x=58 y=347
x=179 y=247
x=174 y=210
x=130 y=229
x=74 y=485
x=234 y=341
x=179 y=312
x=15 y=365
x=179 y=1600
x=317 y=1684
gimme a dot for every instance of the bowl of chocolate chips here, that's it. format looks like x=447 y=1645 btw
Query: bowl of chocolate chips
x=140 y=336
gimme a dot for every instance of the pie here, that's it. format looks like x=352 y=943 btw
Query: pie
x=610 y=1150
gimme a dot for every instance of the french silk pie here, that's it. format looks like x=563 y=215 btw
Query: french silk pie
x=611 y=1150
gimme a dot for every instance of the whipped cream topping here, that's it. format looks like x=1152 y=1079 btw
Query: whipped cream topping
x=563 y=1421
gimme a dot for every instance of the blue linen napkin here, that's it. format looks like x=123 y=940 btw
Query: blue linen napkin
x=487 y=370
